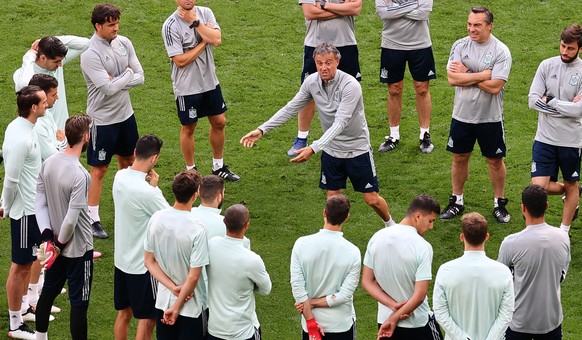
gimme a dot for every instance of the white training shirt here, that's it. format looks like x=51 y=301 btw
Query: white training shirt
x=178 y=243
x=235 y=273
x=46 y=133
x=473 y=297
x=135 y=202
x=405 y=24
x=400 y=257
x=326 y=265
x=339 y=31
x=21 y=168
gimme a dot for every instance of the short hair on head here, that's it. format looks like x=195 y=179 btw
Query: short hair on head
x=235 y=218
x=76 y=127
x=484 y=10
x=572 y=33
x=424 y=204
x=45 y=81
x=103 y=13
x=147 y=146
x=474 y=227
x=185 y=185
x=327 y=48
x=51 y=47
x=26 y=97
x=337 y=209
x=211 y=187
x=535 y=200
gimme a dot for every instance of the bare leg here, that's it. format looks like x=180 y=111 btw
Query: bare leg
x=423 y=103
x=395 y=102
x=460 y=172
x=306 y=116
x=97 y=174
x=216 y=134
x=571 y=201
x=145 y=329
x=378 y=203
x=17 y=284
x=187 y=142
x=497 y=174
x=121 y=326
x=551 y=187
x=124 y=162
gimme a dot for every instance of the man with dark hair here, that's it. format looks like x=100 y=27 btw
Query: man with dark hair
x=61 y=209
x=347 y=152
x=175 y=253
x=234 y=275
x=478 y=68
x=397 y=272
x=406 y=39
x=538 y=257
x=22 y=164
x=473 y=295
x=211 y=194
x=190 y=34
x=556 y=93
x=50 y=138
x=135 y=201
x=48 y=55
x=325 y=271
x=110 y=68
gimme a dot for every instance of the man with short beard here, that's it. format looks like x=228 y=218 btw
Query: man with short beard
x=556 y=93
x=61 y=210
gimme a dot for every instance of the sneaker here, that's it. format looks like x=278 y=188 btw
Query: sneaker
x=98 y=230
x=30 y=315
x=22 y=332
x=426 y=145
x=299 y=143
x=225 y=173
x=63 y=290
x=389 y=145
x=500 y=213
x=577 y=205
x=55 y=309
x=453 y=209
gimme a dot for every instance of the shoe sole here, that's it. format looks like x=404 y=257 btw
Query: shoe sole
x=427 y=150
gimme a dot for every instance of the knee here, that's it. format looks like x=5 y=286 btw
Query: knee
x=98 y=172
x=421 y=90
x=495 y=163
x=218 y=122
x=372 y=199
x=125 y=315
x=396 y=89
x=188 y=130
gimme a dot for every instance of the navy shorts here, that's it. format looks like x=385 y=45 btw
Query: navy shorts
x=256 y=336
x=360 y=170
x=430 y=331
x=25 y=237
x=185 y=328
x=547 y=159
x=556 y=334
x=108 y=140
x=490 y=136
x=348 y=63
x=350 y=334
x=195 y=106
x=78 y=272
x=393 y=63
x=135 y=291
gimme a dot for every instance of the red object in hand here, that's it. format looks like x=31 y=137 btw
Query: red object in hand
x=313 y=329
x=52 y=252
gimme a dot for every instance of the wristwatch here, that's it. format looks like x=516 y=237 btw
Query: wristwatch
x=195 y=24
x=322 y=4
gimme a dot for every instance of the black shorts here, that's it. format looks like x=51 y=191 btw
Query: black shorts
x=185 y=328
x=490 y=136
x=25 y=237
x=137 y=292
x=77 y=271
x=256 y=336
x=348 y=63
x=350 y=334
x=547 y=159
x=194 y=106
x=360 y=170
x=556 y=334
x=393 y=63
x=108 y=140
x=430 y=331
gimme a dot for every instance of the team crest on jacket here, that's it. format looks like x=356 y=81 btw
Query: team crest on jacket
x=336 y=96
x=574 y=80
x=488 y=59
x=122 y=51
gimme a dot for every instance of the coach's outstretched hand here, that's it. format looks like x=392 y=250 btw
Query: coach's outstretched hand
x=303 y=154
x=251 y=138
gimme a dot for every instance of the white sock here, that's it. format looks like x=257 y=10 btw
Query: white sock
x=395 y=132
x=389 y=223
x=32 y=294
x=24 y=304
x=217 y=163
x=190 y=167
x=565 y=228
x=94 y=213
x=15 y=319
x=41 y=336
x=422 y=131
x=460 y=200
x=302 y=134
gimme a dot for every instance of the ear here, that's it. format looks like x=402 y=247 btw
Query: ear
x=486 y=236
x=462 y=238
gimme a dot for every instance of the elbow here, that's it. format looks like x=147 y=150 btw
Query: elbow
x=366 y=285
x=495 y=91
x=216 y=42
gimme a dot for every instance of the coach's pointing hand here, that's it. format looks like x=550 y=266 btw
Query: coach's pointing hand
x=303 y=154
x=251 y=138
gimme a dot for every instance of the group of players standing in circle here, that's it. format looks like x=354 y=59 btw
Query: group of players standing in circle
x=46 y=205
